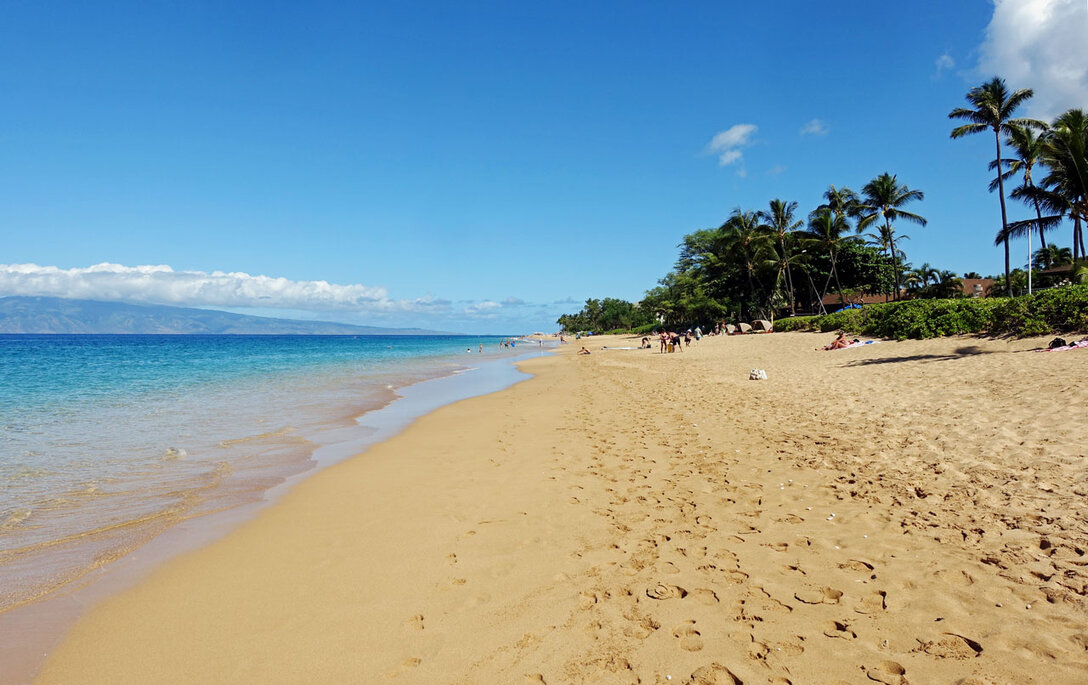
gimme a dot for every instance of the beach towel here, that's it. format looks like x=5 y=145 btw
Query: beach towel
x=1080 y=344
x=859 y=343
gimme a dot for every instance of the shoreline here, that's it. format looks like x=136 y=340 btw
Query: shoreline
x=913 y=509
x=32 y=628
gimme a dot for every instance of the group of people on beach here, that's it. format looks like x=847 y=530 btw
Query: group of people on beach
x=675 y=341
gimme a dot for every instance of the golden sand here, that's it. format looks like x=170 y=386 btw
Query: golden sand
x=902 y=512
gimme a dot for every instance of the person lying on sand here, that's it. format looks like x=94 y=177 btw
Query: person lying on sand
x=583 y=351
x=838 y=343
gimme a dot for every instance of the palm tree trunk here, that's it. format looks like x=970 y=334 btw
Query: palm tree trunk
x=888 y=253
x=1039 y=216
x=838 y=286
x=789 y=276
x=1079 y=240
x=1004 y=214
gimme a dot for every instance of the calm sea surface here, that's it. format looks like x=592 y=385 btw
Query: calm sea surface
x=106 y=441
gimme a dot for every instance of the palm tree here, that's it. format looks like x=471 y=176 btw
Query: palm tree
x=928 y=274
x=842 y=202
x=747 y=241
x=827 y=232
x=993 y=107
x=885 y=239
x=1050 y=256
x=1029 y=149
x=883 y=197
x=1066 y=156
x=1064 y=190
x=780 y=223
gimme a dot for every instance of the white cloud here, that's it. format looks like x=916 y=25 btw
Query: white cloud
x=162 y=285
x=815 y=127
x=488 y=309
x=944 y=63
x=726 y=144
x=1042 y=45
x=776 y=170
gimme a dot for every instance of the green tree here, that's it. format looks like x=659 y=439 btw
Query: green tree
x=780 y=222
x=884 y=197
x=1050 y=256
x=1064 y=189
x=992 y=107
x=748 y=243
x=828 y=233
x=1028 y=146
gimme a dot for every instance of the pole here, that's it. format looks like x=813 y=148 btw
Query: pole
x=1029 y=261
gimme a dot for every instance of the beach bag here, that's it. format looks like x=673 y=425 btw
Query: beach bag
x=1057 y=342
x=757 y=375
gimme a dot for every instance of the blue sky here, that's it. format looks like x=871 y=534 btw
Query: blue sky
x=485 y=166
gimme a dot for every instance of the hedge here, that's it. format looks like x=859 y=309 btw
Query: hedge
x=1057 y=310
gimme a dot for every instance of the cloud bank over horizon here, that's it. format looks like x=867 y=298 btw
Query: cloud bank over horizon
x=161 y=284
x=1040 y=44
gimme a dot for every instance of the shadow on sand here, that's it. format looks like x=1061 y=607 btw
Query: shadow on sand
x=959 y=353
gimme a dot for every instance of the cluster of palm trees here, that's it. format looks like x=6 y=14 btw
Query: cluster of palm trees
x=760 y=261
x=1060 y=148
x=926 y=281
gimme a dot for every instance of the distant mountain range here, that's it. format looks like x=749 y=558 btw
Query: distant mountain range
x=58 y=315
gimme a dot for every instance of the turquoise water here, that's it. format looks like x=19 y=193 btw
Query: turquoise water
x=107 y=441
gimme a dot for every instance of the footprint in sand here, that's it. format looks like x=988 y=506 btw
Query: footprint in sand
x=956 y=578
x=662 y=591
x=889 y=673
x=758 y=651
x=951 y=646
x=641 y=628
x=705 y=596
x=714 y=674
x=856 y=565
x=839 y=629
x=587 y=599
x=821 y=596
x=690 y=638
x=535 y=679
x=416 y=622
x=794 y=647
x=873 y=603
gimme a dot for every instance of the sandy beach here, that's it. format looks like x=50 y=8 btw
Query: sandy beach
x=900 y=512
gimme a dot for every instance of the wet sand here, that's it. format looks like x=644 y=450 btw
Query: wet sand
x=900 y=512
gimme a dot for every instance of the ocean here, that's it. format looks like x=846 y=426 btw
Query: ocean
x=106 y=442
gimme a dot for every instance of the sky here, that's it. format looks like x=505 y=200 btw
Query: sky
x=481 y=167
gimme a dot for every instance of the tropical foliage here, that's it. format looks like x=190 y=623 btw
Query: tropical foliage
x=605 y=315
x=1050 y=311
x=773 y=262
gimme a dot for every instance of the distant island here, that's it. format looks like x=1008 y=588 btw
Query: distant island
x=56 y=315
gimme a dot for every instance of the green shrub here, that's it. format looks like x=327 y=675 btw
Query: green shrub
x=1057 y=310
x=645 y=329
x=795 y=323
